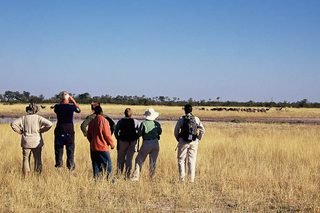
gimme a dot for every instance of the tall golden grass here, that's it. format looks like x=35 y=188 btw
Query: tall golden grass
x=240 y=167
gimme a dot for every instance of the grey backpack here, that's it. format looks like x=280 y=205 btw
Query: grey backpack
x=189 y=130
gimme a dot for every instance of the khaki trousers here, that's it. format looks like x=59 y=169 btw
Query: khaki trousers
x=26 y=153
x=187 y=152
x=151 y=148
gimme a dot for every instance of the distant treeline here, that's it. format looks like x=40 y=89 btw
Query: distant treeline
x=11 y=97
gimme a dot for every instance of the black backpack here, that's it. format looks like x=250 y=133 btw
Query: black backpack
x=128 y=130
x=189 y=130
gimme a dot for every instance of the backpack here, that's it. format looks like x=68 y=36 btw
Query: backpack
x=128 y=130
x=189 y=129
x=112 y=124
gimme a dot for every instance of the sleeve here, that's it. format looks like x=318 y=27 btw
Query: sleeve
x=177 y=128
x=44 y=124
x=117 y=129
x=84 y=125
x=111 y=124
x=76 y=109
x=201 y=129
x=140 y=130
x=136 y=124
x=17 y=125
x=89 y=133
x=55 y=108
x=107 y=133
x=159 y=128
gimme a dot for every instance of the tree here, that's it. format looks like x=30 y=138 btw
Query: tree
x=303 y=103
x=9 y=96
x=162 y=99
x=26 y=96
x=84 y=98
x=36 y=99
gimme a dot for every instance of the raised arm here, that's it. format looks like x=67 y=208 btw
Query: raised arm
x=75 y=104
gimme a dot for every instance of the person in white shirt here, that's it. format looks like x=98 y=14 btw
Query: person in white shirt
x=188 y=132
x=31 y=127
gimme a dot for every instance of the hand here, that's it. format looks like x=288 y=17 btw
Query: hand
x=71 y=98
x=67 y=96
x=73 y=101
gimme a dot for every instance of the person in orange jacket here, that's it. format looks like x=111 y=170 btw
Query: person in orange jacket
x=99 y=136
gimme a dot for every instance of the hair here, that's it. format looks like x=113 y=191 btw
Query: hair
x=32 y=108
x=62 y=95
x=128 y=112
x=188 y=108
x=98 y=110
x=94 y=104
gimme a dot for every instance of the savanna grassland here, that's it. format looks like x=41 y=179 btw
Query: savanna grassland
x=173 y=112
x=245 y=167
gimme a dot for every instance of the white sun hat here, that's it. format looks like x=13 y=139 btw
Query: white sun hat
x=150 y=114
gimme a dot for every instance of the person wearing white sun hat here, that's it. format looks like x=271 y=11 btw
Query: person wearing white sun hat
x=150 y=131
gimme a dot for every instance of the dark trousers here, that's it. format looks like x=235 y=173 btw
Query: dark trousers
x=126 y=150
x=60 y=141
x=101 y=162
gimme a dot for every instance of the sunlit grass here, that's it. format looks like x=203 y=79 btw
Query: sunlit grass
x=243 y=167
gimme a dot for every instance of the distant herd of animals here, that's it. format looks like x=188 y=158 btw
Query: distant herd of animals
x=220 y=109
x=232 y=109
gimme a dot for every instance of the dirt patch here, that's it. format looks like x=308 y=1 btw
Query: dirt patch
x=226 y=119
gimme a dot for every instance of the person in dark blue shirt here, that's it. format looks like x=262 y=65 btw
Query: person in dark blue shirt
x=64 y=131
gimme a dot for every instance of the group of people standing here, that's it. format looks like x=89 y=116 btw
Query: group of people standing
x=98 y=128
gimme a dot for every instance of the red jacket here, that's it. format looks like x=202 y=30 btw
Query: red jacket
x=99 y=134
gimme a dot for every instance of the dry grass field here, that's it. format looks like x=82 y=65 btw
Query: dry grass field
x=170 y=112
x=241 y=167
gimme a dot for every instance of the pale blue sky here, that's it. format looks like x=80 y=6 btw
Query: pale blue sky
x=236 y=49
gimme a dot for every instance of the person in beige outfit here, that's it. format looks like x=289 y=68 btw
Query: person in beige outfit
x=31 y=127
x=188 y=132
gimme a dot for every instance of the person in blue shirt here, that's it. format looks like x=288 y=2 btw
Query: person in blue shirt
x=64 y=131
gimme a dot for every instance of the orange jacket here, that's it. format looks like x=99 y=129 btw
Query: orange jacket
x=99 y=134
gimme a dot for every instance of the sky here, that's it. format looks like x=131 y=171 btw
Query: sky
x=238 y=50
